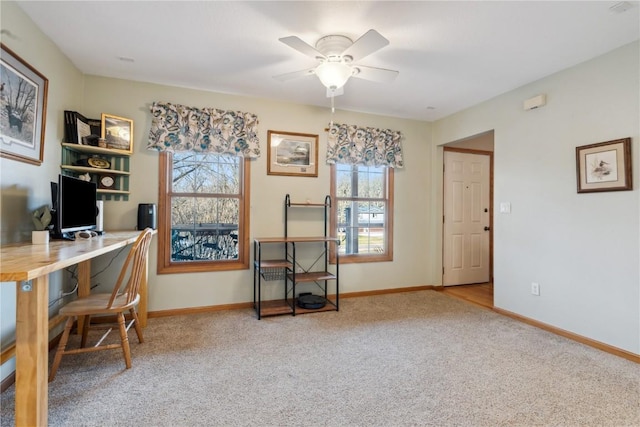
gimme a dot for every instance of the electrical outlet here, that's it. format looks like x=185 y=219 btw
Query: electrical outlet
x=535 y=288
x=60 y=295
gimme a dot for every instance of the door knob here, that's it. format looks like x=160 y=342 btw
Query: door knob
x=487 y=228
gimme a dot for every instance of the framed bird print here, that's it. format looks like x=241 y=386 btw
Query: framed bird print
x=605 y=166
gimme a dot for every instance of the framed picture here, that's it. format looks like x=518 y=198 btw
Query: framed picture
x=117 y=132
x=605 y=166
x=292 y=154
x=23 y=99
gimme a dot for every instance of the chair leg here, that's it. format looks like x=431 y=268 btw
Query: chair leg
x=61 y=347
x=125 y=340
x=85 y=330
x=136 y=324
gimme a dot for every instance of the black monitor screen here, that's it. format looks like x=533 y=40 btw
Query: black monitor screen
x=76 y=204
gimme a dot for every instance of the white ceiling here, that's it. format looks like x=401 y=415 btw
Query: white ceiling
x=450 y=54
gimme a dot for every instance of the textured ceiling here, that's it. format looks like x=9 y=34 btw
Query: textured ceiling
x=450 y=54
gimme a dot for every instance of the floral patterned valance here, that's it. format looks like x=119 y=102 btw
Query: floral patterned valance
x=354 y=145
x=179 y=128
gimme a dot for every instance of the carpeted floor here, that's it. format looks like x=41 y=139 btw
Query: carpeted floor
x=410 y=359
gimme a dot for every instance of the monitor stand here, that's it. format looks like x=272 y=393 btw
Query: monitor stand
x=62 y=236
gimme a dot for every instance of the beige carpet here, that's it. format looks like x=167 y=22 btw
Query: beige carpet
x=412 y=359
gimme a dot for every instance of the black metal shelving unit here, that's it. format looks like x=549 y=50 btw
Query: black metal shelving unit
x=289 y=271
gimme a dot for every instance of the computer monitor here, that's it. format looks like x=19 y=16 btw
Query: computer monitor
x=75 y=206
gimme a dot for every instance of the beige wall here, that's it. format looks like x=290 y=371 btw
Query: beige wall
x=412 y=251
x=482 y=142
x=25 y=187
x=582 y=249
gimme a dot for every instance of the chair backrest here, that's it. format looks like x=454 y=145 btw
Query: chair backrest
x=133 y=269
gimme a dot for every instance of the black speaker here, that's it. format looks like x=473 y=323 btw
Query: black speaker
x=146 y=216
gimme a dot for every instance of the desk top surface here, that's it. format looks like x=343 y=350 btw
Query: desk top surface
x=26 y=261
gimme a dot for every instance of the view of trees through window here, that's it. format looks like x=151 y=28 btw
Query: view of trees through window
x=205 y=207
x=361 y=200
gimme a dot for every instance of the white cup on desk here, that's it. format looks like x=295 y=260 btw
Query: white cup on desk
x=40 y=237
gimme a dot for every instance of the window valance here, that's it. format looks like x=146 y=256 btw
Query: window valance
x=179 y=128
x=354 y=145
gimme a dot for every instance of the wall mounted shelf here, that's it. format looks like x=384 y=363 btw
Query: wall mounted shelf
x=119 y=163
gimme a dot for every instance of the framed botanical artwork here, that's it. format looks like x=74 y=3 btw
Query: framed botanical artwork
x=605 y=166
x=117 y=132
x=23 y=99
x=292 y=154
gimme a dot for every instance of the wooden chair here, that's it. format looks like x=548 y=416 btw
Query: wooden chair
x=123 y=298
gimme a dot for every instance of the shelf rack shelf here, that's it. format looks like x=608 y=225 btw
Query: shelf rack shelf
x=119 y=161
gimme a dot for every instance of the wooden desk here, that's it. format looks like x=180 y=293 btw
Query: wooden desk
x=29 y=266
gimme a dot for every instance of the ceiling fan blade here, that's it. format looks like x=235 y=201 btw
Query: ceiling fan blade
x=294 y=75
x=335 y=92
x=302 y=47
x=381 y=75
x=368 y=43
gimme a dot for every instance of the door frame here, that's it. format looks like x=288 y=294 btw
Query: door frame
x=444 y=196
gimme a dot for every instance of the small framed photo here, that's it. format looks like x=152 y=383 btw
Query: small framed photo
x=605 y=166
x=23 y=99
x=292 y=154
x=117 y=132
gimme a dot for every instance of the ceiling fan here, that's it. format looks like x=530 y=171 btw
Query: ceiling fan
x=337 y=56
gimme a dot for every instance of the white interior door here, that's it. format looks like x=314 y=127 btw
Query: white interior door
x=466 y=235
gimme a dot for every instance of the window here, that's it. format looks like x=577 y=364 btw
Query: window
x=362 y=212
x=203 y=212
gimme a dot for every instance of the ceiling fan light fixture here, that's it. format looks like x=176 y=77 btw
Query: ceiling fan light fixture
x=334 y=75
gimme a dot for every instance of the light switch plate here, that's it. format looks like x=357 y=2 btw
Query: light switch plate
x=505 y=207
